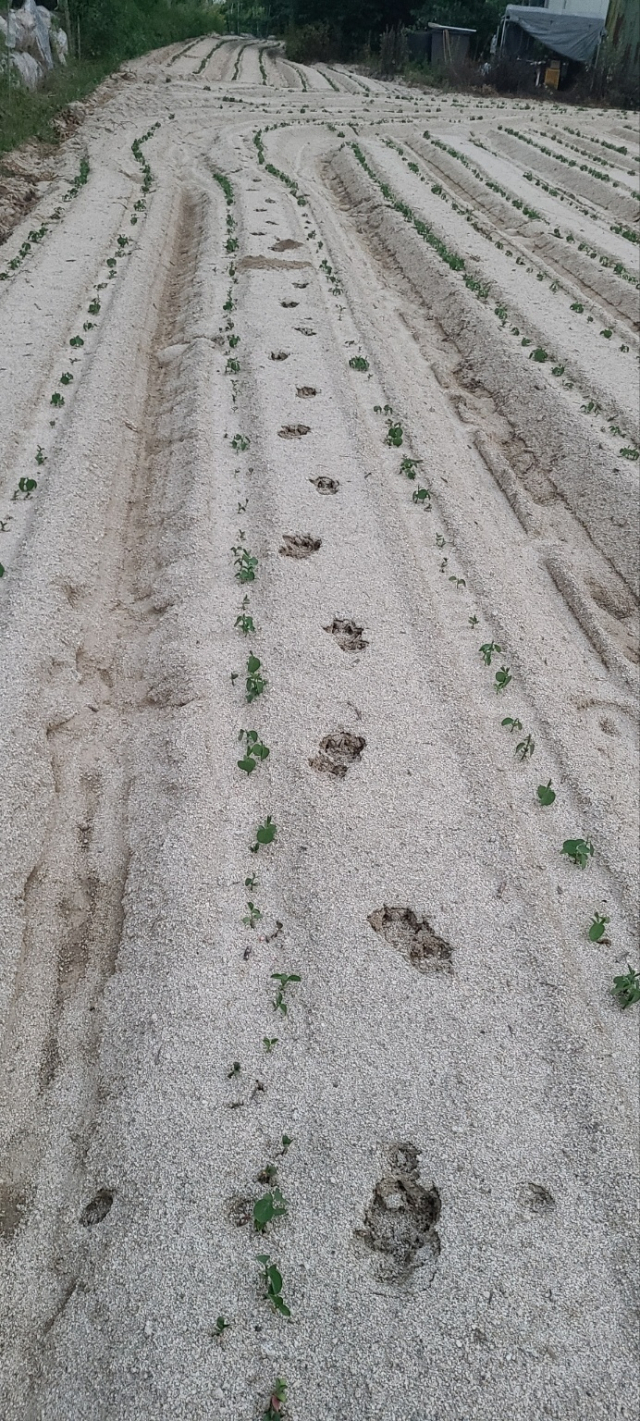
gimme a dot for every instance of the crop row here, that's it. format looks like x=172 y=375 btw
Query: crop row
x=27 y=486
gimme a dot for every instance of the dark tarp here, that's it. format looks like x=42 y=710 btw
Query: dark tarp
x=575 y=36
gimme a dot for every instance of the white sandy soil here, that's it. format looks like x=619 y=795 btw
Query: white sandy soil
x=455 y=1077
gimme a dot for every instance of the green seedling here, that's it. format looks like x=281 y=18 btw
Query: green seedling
x=1 y=566
x=66 y=378
x=512 y=722
x=234 y=1071
x=577 y=306
x=578 y=850
x=627 y=989
x=245 y=623
x=473 y=621
x=409 y=466
x=558 y=370
x=252 y=916
x=286 y=1141
x=269 y=1042
x=394 y=435
x=270 y=1206
x=255 y=751
x=277 y=1399
x=459 y=581
x=284 y=978
x=41 y=457
x=240 y=443
x=234 y=341
x=234 y=677
x=245 y=564
x=272 y=1280
x=269 y=1174
x=539 y=354
x=221 y=1327
x=596 y=932
x=57 y=399
x=546 y=794
x=421 y=495
x=607 y=334
x=251 y=881
x=265 y=834
x=440 y=541
x=25 y=487
x=94 y=307
x=88 y=325
x=255 y=684
x=358 y=362
x=76 y=341
x=232 y=367
x=502 y=678
x=487 y=651
x=629 y=453
x=525 y=748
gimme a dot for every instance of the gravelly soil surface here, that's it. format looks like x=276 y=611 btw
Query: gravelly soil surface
x=332 y=387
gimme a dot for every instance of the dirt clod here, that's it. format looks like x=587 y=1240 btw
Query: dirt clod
x=294 y=431
x=299 y=545
x=413 y=937
x=337 y=752
x=401 y=1218
x=285 y=244
x=325 y=485
x=347 y=633
x=97 y=1208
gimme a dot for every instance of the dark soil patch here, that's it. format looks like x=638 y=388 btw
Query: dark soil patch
x=338 y=751
x=413 y=937
x=325 y=485
x=97 y=1209
x=401 y=1218
x=299 y=545
x=294 y=431
x=347 y=634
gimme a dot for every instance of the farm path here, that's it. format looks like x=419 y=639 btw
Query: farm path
x=319 y=409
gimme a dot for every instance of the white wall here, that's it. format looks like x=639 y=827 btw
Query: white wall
x=596 y=8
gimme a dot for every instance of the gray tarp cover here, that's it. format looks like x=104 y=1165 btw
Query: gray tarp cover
x=576 y=36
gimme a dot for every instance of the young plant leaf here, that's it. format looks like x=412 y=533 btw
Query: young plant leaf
x=578 y=850
x=627 y=988
x=546 y=794
x=598 y=927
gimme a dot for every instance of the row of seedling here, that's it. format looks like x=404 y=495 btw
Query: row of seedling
x=579 y=851
x=271 y=1206
x=27 y=485
x=38 y=233
x=476 y=285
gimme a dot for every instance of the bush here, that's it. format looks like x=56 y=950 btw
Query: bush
x=306 y=43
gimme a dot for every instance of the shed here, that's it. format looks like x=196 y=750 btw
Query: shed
x=449 y=43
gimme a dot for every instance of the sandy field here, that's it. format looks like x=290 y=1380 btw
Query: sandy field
x=318 y=520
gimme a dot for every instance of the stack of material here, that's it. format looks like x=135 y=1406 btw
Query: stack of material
x=33 y=41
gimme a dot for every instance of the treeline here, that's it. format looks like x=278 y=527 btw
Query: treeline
x=121 y=29
x=352 y=29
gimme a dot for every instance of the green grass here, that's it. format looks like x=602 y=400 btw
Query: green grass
x=26 y=115
x=139 y=28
